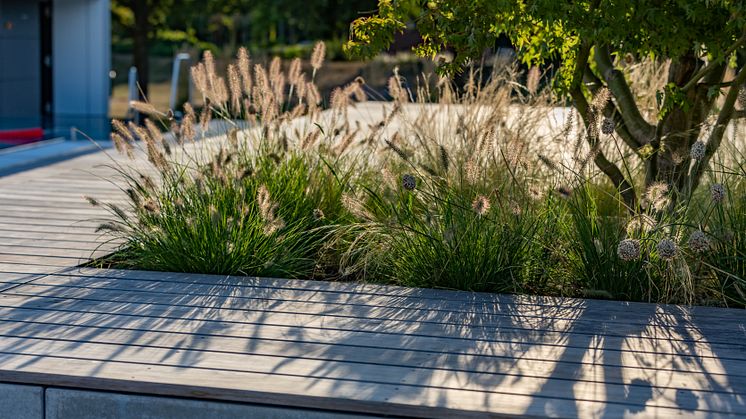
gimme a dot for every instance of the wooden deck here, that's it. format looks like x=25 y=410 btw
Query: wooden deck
x=335 y=347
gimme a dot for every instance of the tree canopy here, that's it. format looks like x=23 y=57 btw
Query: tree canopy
x=700 y=37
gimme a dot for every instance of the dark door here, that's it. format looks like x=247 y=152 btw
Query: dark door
x=45 y=13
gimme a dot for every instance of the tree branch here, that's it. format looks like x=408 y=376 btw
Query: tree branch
x=716 y=136
x=626 y=189
x=594 y=84
x=638 y=127
x=714 y=64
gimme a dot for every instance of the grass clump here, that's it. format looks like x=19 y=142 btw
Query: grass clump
x=262 y=217
x=494 y=189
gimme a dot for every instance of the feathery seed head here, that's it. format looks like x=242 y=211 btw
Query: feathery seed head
x=199 y=77
x=151 y=206
x=355 y=206
x=318 y=55
x=481 y=205
x=91 y=200
x=244 y=68
x=640 y=224
x=472 y=171
x=657 y=195
x=294 y=72
x=122 y=129
x=146 y=108
x=133 y=196
x=234 y=84
x=445 y=161
x=601 y=99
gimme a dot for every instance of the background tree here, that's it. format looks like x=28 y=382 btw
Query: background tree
x=141 y=18
x=700 y=38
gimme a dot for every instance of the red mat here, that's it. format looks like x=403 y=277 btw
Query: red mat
x=21 y=136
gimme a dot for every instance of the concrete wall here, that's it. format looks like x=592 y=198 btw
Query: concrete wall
x=21 y=402
x=32 y=402
x=81 y=60
x=20 y=64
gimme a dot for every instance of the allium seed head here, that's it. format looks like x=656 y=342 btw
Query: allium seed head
x=667 y=249
x=699 y=242
x=717 y=191
x=408 y=182
x=628 y=249
x=608 y=126
x=698 y=150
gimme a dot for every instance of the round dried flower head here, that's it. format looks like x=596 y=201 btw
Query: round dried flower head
x=667 y=249
x=481 y=205
x=699 y=242
x=608 y=126
x=628 y=249
x=698 y=150
x=408 y=182
x=717 y=191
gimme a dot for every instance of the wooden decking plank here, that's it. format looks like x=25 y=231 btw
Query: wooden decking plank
x=73 y=202
x=11 y=219
x=59 y=244
x=12 y=280
x=51 y=235
x=477 y=301
x=261 y=289
x=584 y=321
x=387 y=334
x=41 y=260
x=21 y=197
x=83 y=210
x=57 y=216
x=42 y=225
x=313 y=371
x=10 y=268
x=705 y=376
x=69 y=231
x=88 y=253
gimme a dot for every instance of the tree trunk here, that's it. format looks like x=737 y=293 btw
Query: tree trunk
x=681 y=126
x=141 y=38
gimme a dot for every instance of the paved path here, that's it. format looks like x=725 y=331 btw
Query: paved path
x=335 y=347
